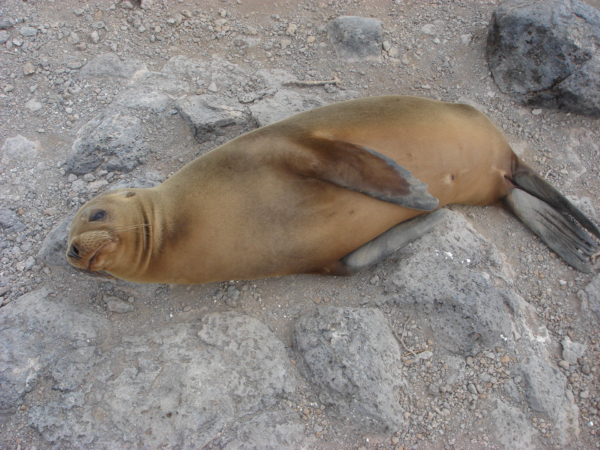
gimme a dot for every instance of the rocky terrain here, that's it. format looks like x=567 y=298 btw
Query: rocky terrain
x=476 y=336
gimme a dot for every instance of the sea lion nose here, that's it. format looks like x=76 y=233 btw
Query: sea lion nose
x=74 y=252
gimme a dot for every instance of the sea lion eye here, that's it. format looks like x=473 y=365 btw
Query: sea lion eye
x=98 y=216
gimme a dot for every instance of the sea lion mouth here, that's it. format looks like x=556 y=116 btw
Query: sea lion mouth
x=92 y=258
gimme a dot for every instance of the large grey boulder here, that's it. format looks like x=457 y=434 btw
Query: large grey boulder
x=38 y=332
x=511 y=427
x=164 y=82
x=144 y=98
x=180 y=385
x=9 y=221
x=546 y=393
x=54 y=246
x=112 y=140
x=208 y=115
x=282 y=105
x=591 y=295
x=547 y=53
x=354 y=360
x=18 y=148
x=356 y=38
x=449 y=283
x=109 y=65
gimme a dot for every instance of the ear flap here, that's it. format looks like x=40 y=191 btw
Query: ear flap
x=360 y=169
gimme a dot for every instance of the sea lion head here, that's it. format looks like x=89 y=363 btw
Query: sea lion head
x=106 y=232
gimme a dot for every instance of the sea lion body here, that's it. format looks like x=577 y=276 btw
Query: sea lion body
x=253 y=207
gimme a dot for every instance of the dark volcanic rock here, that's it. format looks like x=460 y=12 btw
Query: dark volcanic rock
x=206 y=115
x=113 y=140
x=110 y=65
x=356 y=38
x=547 y=53
x=354 y=359
x=55 y=245
x=38 y=332
x=448 y=282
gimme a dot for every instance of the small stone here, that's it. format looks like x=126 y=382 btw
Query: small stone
x=564 y=364
x=33 y=105
x=73 y=65
x=94 y=37
x=374 y=279
x=73 y=38
x=28 y=32
x=4 y=36
x=213 y=87
x=9 y=88
x=79 y=12
x=28 y=69
x=291 y=29
x=127 y=5
x=536 y=112
x=428 y=29
x=50 y=211
x=586 y=369
x=465 y=39
x=6 y=24
x=505 y=359
x=584 y=394
x=116 y=305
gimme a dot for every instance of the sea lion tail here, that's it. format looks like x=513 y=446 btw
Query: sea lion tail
x=544 y=210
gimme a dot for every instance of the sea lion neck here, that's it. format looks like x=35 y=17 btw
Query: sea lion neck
x=153 y=213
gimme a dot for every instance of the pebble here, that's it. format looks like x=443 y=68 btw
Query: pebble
x=28 y=32
x=428 y=29
x=6 y=24
x=213 y=87
x=584 y=394
x=465 y=39
x=73 y=38
x=33 y=105
x=113 y=304
x=4 y=37
x=564 y=364
x=127 y=5
x=94 y=37
x=536 y=112
x=9 y=88
x=291 y=30
x=28 y=69
x=79 y=12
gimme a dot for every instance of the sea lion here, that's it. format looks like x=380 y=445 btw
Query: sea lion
x=330 y=191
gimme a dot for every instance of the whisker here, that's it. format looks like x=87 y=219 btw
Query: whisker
x=132 y=227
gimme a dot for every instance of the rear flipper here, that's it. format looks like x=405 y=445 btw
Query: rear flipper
x=393 y=239
x=544 y=218
x=534 y=184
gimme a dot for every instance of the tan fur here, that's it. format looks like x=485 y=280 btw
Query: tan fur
x=238 y=212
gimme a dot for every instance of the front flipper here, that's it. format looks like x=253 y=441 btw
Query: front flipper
x=393 y=239
x=360 y=169
x=562 y=235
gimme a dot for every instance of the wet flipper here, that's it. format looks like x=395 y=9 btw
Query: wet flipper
x=360 y=169
x=535 y=185
x=561 y=234
x=393 y=239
